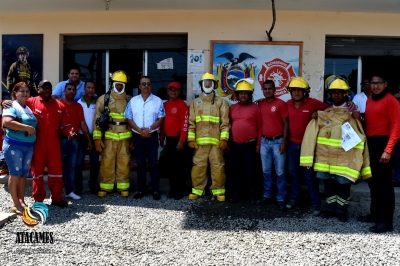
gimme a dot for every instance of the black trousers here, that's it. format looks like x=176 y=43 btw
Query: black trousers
x=380 y=185
x=242 y=159
x=175 y=166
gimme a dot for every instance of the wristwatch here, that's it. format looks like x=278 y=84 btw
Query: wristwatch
x=150 y=129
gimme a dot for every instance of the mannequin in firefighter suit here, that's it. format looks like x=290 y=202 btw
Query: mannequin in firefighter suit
x=22 y=71
x=114 y=143
x=208 y=134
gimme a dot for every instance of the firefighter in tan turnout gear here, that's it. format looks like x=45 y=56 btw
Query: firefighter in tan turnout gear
x=112 y=137
x=21 y=70
x=208 y=134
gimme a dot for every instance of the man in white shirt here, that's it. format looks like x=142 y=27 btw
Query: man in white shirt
x=145 y=114
x=88 y=103
x=361 y=98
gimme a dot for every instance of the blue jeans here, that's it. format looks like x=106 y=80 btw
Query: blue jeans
x=18 y=158
x=147 y=148
x=297 y=173
x=94 y=164
x=269 y=151
x=69 y=151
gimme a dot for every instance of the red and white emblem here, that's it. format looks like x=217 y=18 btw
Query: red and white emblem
x=273 y=108
x=174 y=110
x=280 y=72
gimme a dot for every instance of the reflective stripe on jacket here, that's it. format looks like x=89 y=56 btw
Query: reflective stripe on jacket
x=208 y=121
x=322 y=146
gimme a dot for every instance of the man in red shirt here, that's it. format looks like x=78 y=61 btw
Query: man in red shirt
x=382 y=128
x=245 y=118
x=73 y=121
x=174 y=130
x=300 y=109
x=275 y=133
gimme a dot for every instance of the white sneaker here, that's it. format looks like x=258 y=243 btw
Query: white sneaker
x=73 y=196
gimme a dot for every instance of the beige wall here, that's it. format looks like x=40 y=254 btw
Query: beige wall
x=203 y=26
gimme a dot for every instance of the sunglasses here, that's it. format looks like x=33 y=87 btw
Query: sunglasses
x=144 y=84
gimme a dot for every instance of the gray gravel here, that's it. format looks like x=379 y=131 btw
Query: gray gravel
x=123 y=231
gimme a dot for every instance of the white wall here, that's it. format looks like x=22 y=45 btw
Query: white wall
x=203 y=26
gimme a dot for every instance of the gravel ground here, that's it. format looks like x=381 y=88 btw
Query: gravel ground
x=124 y=231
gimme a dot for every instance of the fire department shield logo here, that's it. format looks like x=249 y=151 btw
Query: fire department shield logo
x=280 y=72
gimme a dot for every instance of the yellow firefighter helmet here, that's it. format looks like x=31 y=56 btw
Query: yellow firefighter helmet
x=336 y=83
x=120 y=76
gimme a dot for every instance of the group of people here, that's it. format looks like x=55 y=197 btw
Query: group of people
x=306 y=132
x=59 y=127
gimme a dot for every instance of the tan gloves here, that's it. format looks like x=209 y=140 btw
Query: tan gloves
x=222 y=144
x=192 y=144
x=99 y=145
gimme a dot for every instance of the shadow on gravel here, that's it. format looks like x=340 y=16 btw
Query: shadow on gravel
x=211 y=215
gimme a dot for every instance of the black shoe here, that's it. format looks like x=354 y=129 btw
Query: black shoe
x=78 y=192
x=253 y=201
x=94 y=191
x=366 y=219
x=343 y=218
x=171 y=195
x=292 y=204
x=138 y=195
x=178 y=196
x=327 y=214
x=156 y=196
x=234 y=200
x=381 y=228
x=264 y=201
x=395 y=184
x=281 y=205
x=60 y=204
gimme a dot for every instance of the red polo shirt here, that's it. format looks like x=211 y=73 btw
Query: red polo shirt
x=300 y=117
x=272 y=114
x=246 y=122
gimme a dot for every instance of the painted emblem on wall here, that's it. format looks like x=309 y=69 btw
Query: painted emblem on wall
x=279 y=71
x=229 y=73
x=234 y=60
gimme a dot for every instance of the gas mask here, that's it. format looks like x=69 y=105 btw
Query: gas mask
x=115 y=89
x=207 y=86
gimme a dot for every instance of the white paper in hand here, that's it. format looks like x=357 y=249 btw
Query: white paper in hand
x=349 y=137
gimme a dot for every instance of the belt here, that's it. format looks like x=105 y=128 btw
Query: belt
x=118 y=123
x=273 y=138
x=151 y=133
x=250 y=140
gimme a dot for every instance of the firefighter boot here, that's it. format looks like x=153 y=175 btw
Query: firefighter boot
x=221 y=197
x=193 y=196
x=101 y=193
x=125 y=193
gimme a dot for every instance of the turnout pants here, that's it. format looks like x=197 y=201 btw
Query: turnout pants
x=336 y=196
x=201 y=157
x=114 y=166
